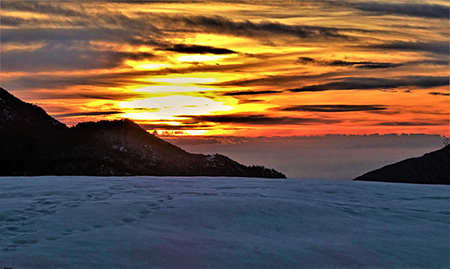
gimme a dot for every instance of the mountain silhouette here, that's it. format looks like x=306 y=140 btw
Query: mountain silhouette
x=431 y=168
x=33 y=143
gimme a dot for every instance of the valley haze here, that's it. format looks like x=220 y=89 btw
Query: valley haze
x=341 y=157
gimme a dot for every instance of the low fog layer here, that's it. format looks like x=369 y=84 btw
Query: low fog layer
x=328 y=157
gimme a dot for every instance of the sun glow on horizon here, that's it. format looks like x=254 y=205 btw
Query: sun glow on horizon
x=199 y=58
x=171 y=107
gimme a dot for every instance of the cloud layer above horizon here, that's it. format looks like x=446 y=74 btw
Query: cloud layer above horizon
x=250 y=68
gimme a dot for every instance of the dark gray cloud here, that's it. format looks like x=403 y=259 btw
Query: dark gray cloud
x=440 y=93
x=264 y=81
x=414 y=123
x=112 y=79
x=432 y=62
x=42 y=7
x=60 y=35
x=143 y=24
x=250 y=101
x=86 y=94
x=368 y=83
x=52 y=57
x=372 y=65
x=366 y=64
x=250 y=93
x=334 y=108
x=65 y=49
x=253 y=119
x=197 y=49
x=436 y=47
x=405 y=9
x=137 y=56
x=93 y=113
x=16 y=21
x=361 y=65
x=222 y=25
x=176 y=127
x=140 y=27
x=59 y=82
x=276 y=80
x=76 y=11
x=109 y=95
x=45 y=22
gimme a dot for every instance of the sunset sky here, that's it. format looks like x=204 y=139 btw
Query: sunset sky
x=240 y=68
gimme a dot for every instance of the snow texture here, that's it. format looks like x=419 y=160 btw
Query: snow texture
x=148 y=222
x=7 y=115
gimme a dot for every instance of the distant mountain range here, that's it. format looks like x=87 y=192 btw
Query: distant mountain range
x=431 y=168
x=33 y=143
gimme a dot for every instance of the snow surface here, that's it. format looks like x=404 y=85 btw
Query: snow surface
x=147 y=222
